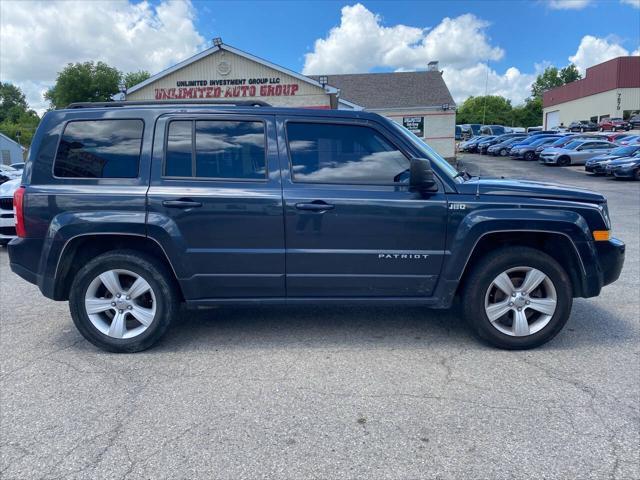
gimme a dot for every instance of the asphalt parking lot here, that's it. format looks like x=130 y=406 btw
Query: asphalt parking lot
x=334 y=392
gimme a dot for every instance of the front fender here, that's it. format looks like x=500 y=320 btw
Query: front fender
x=479 y=223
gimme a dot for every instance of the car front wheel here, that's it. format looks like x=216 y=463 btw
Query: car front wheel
x=123 y=301
x=517 y=298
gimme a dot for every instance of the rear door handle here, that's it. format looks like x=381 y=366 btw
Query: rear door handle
x=181 y=204
x=317 y=206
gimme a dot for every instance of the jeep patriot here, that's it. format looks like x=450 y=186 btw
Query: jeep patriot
x=127 y=210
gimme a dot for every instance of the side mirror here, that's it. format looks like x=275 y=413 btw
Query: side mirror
x=421 y=177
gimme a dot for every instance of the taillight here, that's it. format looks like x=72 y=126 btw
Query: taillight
x=18 y=210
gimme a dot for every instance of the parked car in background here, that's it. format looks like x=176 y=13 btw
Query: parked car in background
x=470 y=130
x=629 y=140
x=625 y=168
x=528 y=152
x=617 y=137
x=528 y=141
x=18 y=166
x=583 y=126
x=7 y=216
x=458 y=133
x=472 y=145
x=484 y=145
x=575 y=153
x=492 y=130
x=534 y=129
x=8 y=173
x=614 y=124
x=502 y=148
x=635 y=121
x=598 y=164
x=543 y=132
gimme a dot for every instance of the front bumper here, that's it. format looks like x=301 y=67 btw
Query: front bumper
x=624 y=172
x=610 y=259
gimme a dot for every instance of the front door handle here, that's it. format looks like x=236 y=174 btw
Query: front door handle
x=181 y=204
x=316 y=206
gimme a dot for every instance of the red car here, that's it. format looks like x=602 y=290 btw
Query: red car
x=617 y=137
x=613 y=124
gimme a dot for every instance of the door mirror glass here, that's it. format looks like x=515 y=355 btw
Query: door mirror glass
x=421 y=177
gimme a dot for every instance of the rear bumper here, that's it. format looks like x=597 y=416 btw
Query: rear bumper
x=24 y=258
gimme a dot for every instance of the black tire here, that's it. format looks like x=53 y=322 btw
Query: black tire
x=529 y=156
x=479 y=281
x=564 y=161
x=150 y=269
x=504 y=152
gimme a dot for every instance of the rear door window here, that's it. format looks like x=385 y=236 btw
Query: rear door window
x=340 y=153
x=216 y=149
x=99 y=149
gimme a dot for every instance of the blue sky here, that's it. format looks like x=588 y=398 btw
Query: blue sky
x=506 y=42
x=529 y=31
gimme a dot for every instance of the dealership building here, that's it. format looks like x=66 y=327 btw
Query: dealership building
x=419 y=100
x=610 y=89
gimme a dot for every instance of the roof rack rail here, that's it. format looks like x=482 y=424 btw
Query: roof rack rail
x=137 y=103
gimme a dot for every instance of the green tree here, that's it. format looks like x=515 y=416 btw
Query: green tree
x=529 y=114
x=552 y=78
x=570 y=74
x=17 y=120
x=84 y=82
x=490 y=109
x=134 y=78
x=12 y=102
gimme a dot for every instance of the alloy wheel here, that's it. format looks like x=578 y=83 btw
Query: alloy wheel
x=120 y=303
x=521 y=301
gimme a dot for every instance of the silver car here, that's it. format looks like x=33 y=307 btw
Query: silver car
x=575 y=153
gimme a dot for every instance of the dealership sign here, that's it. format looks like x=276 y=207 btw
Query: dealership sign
x=228 y=88
x=414 y=124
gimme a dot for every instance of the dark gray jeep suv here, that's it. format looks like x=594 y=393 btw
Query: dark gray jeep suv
x=127 y=210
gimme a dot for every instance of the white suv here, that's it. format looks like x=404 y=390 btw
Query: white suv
x=7 y=217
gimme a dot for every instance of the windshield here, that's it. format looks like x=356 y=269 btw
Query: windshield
x=429 y=152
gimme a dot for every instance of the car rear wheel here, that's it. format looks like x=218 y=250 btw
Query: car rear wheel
x=517 y=298
x=123 y=301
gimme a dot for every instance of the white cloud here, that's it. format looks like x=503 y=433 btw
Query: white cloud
x=633 y=3
x=361 y=42
x=464 y=82
x=40 y=38
x=593 y=50
x=568 y=4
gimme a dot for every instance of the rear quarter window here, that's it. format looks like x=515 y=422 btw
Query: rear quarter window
x=99 y=149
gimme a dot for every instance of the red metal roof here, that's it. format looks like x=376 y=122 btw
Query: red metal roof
x=621 y=72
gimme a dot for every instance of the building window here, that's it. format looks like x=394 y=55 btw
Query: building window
x=222 y=149
x=99 y=149
x=351 y=154
x=5 y=157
